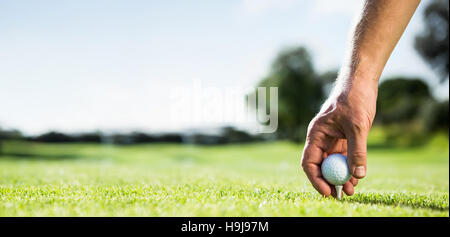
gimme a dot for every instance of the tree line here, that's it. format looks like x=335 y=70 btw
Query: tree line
x=406 y=106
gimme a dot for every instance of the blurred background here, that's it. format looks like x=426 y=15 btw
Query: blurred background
x=101 y=71
x=87 y=109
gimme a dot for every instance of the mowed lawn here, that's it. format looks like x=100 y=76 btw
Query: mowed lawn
x=261 y=179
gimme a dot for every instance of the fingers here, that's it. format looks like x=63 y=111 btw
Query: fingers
x=320 y=143
x=337 y=146
x=333 y=192
x=357 y=154
x=354 y=181
x=311 y=160
x=348 y=188
x=315 y=177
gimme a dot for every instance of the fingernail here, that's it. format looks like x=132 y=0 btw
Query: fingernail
x=359 y=171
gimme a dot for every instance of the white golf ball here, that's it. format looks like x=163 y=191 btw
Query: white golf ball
x=335 y=169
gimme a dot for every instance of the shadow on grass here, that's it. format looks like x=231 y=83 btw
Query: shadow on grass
x=440 y=203
x=28 y=156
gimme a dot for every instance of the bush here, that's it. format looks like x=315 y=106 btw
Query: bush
x=436 y=117
x=406 y=134
x=407 y=110
x=56 y=137
x=401 y=99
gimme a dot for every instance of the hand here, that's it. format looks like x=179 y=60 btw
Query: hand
x=342 y=126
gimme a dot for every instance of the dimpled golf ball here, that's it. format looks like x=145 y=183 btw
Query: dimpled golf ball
x=335 y=169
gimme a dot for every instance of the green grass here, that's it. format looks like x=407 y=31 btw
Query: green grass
x=261 y=179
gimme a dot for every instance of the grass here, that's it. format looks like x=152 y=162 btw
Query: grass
x=262 y=179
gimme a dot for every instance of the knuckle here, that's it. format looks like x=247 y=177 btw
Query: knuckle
x=359 y=155
x=312 y=124
x=304 y=164
x=359 y=124
x=311 y=137
x=317 y=124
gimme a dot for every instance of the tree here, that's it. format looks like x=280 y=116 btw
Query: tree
x=328 y=79
x=436 y=117
x=407 y=111
x=56 y=137
x=400 y=99
x=432 y=43
x=300 y=93
x=9 y=135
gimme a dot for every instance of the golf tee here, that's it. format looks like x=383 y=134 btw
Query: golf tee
x=338 y=191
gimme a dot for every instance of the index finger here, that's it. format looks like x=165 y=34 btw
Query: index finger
x=311 y=160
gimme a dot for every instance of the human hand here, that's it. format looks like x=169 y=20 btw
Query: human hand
x=342 y=126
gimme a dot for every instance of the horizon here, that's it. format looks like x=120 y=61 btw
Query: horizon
x=111 y=65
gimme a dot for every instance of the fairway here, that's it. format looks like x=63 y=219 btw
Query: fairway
x=260 y=179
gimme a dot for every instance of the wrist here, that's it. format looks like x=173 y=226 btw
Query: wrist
x=362 y=70
x=357 y=92
x=360 y=76
x=355 y=87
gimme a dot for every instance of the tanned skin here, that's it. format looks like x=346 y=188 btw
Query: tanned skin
x=344 y=121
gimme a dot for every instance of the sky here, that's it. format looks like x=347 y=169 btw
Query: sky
x=86 y=65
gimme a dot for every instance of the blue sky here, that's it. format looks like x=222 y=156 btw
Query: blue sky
x=104 y=64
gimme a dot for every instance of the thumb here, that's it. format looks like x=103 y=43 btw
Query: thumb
x=357 y=154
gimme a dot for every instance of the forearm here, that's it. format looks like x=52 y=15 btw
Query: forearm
x=378 y=29
x=343 y=124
